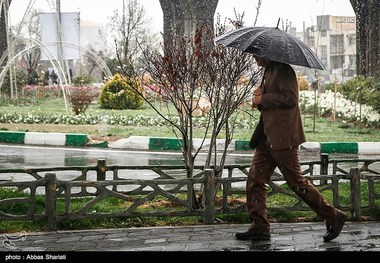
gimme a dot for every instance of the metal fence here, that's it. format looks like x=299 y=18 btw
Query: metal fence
x=49 y=193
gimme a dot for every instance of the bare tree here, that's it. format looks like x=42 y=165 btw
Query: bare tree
x=190 y=69
x=4 y=5
x=31 y=58
x=92 y=63
x=130 y=32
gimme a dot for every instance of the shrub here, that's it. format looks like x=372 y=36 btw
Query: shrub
x=119 y=95
x=80 y=98
x=302 y=83
x=5 y=88
x=36 y=91
x=361 y=90
x=82 y=80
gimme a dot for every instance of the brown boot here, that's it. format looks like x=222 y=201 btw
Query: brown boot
x=335 y=228
x=253 y=234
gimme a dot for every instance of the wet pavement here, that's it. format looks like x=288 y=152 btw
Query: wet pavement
x=361 y=236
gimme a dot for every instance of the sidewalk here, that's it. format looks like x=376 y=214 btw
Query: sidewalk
x=301 y=237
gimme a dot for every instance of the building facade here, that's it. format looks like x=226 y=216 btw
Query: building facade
x=334 y=41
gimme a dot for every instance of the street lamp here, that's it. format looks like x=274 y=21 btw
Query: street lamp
x=315 y=87
x=360 y=102
x=334 y=105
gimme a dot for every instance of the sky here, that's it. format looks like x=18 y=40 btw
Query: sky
x=295 y=11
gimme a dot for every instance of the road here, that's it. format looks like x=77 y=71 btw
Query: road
x=24 y=157
x=13 y=156
x=21 y=156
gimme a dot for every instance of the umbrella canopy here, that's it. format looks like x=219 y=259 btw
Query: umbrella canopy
x=271 y=43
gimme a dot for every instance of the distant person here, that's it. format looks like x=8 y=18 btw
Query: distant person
x=54 y=77
x=276 y=141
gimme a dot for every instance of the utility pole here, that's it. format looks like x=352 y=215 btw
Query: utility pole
x=334 y=106
x=59 y=31
x=61 y=56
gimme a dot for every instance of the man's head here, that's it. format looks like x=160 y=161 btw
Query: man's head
x=260 y=61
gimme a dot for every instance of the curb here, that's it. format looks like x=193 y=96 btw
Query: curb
x=172 y=144
x=41 y=138
x=167 y=144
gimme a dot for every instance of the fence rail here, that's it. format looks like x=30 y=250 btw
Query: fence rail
x=50 y=192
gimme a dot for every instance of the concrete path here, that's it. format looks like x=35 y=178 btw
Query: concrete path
x=286 y=237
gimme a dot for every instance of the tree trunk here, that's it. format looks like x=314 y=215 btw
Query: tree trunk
x=183 y=17
x=368 y=37
x=3 y=29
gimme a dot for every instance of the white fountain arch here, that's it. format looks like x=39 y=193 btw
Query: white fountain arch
x=53 y=60
x=56 y=64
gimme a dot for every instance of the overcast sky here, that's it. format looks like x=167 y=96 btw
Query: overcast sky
x=295 y=11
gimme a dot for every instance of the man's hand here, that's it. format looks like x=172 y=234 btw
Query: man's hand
x=256 y=98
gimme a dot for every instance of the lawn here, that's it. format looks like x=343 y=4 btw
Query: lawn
x=317 y=129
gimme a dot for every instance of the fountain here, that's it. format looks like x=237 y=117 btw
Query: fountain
x=58 y=62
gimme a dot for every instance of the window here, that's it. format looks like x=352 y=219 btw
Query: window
x=311 y=41
x=352 y=61
x=336 y=44
x=336 y=62
x=351 y=39
x=324 y=52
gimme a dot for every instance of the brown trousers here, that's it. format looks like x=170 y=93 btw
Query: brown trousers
x=264 y=162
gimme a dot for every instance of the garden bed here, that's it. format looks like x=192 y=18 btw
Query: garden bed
x=92 y=131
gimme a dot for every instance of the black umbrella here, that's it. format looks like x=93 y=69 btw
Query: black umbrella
x=271 y=43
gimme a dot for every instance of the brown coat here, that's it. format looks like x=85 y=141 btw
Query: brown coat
x=280 y=107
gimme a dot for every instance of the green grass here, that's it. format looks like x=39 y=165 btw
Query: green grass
x=57 y=105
